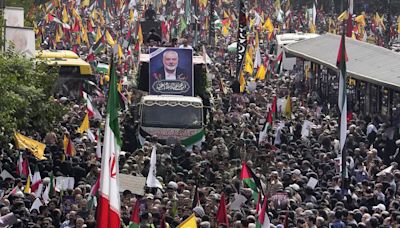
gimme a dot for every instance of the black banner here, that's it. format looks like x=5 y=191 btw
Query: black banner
x=242 y=38
x=211 y=38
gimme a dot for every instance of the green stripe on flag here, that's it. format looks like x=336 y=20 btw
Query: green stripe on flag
x=113 y=104
x=193 y=139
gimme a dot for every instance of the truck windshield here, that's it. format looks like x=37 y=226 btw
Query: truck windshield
x=171 y=117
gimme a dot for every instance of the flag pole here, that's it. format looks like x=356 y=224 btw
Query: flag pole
x=344 y=109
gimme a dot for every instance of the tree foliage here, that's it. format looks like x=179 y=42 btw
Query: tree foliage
x=26 y=102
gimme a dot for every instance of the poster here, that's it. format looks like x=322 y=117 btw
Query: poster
x=23 y=39
x=132 y=183
x=14 y=16
x=171 y=71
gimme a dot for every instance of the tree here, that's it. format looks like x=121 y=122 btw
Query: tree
x=26 y=102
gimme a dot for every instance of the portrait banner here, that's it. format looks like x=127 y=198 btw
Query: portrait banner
x=23 y=40
x=171 y=71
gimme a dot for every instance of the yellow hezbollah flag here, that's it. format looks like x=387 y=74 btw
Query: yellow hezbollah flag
x=65 y=15
x=27 y=188
x=140 y=35
x=35 y=147
x=120 y=54
x=189 y=222
x=398 y=24
x=203 y=3
x=225 y=31
x=131 y=16
x=85 y=125
x=288 y=107
x=269 y=26
x=343 y=16
x=98 y=34
x=85 y=3
x=261 y=72
x=360 y=20
x=248 y=64
x=109 y=38
x=242 y=82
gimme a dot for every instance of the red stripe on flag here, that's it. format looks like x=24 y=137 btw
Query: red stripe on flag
x=106 y=216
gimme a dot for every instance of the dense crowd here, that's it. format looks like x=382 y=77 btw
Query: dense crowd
x=286 y=161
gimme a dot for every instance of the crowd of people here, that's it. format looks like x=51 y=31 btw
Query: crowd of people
x=296 y=163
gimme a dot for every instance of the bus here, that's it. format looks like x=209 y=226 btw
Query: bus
x=286 y=39
x=172 y=119
x=73 y=71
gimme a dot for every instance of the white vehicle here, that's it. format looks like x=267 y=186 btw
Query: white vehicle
x=171 y=118
x=286 y=39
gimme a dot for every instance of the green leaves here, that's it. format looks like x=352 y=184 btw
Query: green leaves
x=26 y=103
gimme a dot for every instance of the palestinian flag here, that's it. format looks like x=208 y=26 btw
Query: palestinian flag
x=250 y=180
x=263 y=219
x=278 y=63
x=135 y=218
x=98 y=47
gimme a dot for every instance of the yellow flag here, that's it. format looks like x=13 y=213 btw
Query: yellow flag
x=85 y=3
x=226 y=15
x=189 y=222
x=58 y=36
x=65 y=142
x=109 y=38
x=242 y=82
x=98 y=34
x=203 y=3
x=85 y=36
x=27 y=188
x=343 y=16
x=261 y=72
x=94 y=14
x=269 y=26
x=277 y=4
x=85 y=125
x=35 y=147
x=288 y=107
x=120 y=54
x=65 y=15
x=398 y=24
x=78 y=39
x=131 y=16
x=225 y=31
x=248 y=64
x=379 y=21
x=312 y=28
x=140 y=35
x=360 y=20
x=102 y=21
x=76 y=15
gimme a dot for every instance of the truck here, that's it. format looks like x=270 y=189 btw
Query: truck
x=173 y=118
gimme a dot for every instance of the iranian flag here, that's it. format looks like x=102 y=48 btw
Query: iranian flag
x=135 y=218
x=36 y=182
x=108 y=211
x=342 y=102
